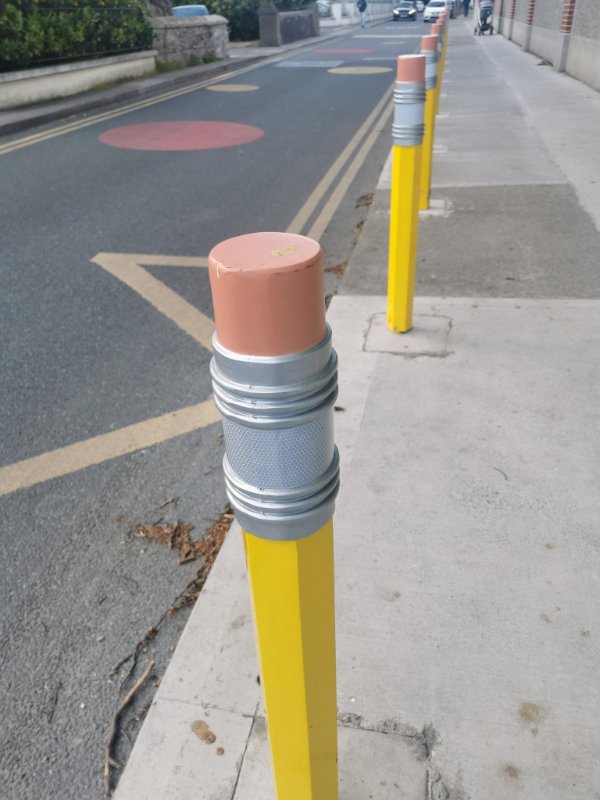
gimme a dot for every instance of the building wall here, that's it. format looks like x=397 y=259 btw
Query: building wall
x=582 y=45
x=521 y=11
x=518 y=33
x=548 y=14
x=586 y=22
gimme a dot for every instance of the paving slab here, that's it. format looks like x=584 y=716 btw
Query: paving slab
x=372 y=764
x=466 y=553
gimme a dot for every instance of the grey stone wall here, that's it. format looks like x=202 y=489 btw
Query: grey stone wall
x=159 y=8
x=295 y=25
x=179 y=38
x=586 y=21
x=277 y=27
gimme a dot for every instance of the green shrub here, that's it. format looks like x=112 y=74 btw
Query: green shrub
x=34 y=32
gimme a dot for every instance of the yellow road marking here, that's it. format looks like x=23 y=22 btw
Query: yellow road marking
x=74 y=457
x=387 y=36
x=35 y=138
x=127 y=268
x=302 y=217
x=233 y=87
x=358 y=70
x=337 y=196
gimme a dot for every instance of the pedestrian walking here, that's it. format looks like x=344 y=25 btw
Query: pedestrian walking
x=362 y=7
x=466 y=6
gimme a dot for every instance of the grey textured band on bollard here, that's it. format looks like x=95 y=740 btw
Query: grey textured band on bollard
x=431 y=68
x=408 y=126
x=281 y=467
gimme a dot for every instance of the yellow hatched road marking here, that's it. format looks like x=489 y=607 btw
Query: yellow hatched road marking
x=87 y=453
x=127 y=268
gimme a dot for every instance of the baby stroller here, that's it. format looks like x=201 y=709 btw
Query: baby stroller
x=483 y=20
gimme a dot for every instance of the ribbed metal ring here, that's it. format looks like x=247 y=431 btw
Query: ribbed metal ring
x=405 y=92
x=285 y=514
x=408 y=135
x=263 y=400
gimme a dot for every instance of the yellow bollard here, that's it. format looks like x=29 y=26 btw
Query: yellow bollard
x=292 y=594
x=407 y=131
x=438 y=30
x=274 y=378
x=429 y=45
x=444 y=41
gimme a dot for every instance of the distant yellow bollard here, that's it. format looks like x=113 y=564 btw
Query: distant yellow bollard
x=429 y=45
x=407 y=132
x=274 y=375
x=444 y=21
x=438 y=30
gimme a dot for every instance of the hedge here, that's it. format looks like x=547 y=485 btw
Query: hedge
x=243 y=14
x=37 y=32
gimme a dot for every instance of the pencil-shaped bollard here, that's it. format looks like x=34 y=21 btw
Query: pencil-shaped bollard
x=274 y=378
x=407 y=132
x=429 y=45
x=437 y=29
x=444 y=20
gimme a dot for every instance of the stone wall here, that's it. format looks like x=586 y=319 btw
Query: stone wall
x=180 y=38
x=282 y=27
x=39 y=84
x=160 y=8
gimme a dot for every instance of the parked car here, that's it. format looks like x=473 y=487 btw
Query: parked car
x=405 y=9
x=434 y=9
x=189 y=11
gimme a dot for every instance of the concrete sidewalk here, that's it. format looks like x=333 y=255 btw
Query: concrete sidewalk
x=467 y=548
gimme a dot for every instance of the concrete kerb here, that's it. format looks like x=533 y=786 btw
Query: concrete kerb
x=18 y=120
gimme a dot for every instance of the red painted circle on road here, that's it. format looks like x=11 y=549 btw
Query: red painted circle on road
x=181 y=135
x=345 y=51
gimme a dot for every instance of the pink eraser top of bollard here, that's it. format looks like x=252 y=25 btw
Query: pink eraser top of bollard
x=268 y=293
x=410 y=68
x=429 y=42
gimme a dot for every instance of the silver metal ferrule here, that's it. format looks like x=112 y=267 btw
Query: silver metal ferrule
x=281 y=465
x=431 y=68
x=408 y=127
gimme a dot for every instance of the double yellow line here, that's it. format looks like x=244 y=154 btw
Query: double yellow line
x=27 y=141
x=378 y=117
x=373 y=123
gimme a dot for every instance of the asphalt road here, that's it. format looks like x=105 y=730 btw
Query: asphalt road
x=94 y=347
